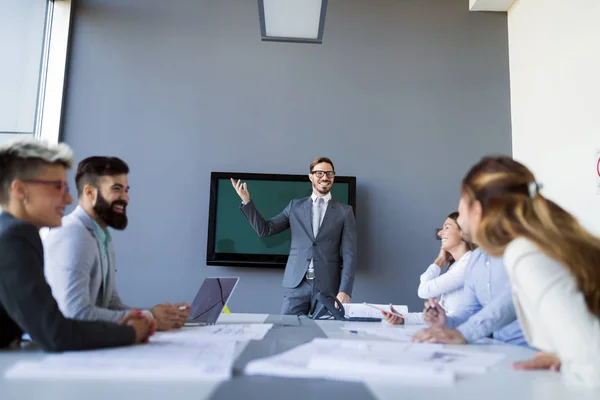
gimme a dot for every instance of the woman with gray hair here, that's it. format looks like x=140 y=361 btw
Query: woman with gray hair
x=34 y=194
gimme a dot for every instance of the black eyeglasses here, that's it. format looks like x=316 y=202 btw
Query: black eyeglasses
x=319 y=174
x=58 y=184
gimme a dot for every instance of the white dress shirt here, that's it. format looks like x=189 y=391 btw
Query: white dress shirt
x=553 y=313
x=447 y=287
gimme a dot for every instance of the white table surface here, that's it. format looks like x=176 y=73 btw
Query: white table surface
x=501 y=382
x=95 y=390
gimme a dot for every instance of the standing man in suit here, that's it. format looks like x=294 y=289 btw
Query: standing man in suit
x=80 y=257
x=320 y=226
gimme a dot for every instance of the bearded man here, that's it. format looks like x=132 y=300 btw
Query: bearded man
x=80 y=258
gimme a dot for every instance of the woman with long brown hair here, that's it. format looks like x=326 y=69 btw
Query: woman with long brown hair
x=553 y=264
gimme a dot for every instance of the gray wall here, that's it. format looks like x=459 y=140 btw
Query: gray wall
x=405 y=95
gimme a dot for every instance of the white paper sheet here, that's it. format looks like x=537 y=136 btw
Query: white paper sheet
x=399 y=333
x=362 y=310
x=239 y=332
x=164 y=360
x=299 y=362
x=376 y=357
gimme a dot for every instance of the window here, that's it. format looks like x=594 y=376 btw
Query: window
x=33 y=47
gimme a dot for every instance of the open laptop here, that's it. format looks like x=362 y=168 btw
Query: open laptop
x=210 y=300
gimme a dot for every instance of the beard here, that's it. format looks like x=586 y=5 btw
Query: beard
x=104 y=211
x=316 y=186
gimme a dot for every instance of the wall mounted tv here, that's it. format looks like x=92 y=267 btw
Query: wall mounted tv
x=231 y=239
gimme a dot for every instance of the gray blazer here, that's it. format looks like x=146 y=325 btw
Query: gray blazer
x=338 y=230
x=74 y=268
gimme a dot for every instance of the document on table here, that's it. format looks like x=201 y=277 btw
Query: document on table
x=238 y=332
x=362 y=310
x=399 y=333
x=163 y=360
x=306 y=361
x=377 y=357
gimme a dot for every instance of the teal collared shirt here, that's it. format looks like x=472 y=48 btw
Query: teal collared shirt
x=105 y=239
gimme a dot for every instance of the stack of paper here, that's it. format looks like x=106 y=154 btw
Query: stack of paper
x=363 y=310
x=352 y=360
x=163 y=360
x=236 y=332
x=377 y=357
x=198 y=353
x=399 y=333
x=317 y=359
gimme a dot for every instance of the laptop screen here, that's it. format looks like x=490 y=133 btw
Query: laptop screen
x=211 y=299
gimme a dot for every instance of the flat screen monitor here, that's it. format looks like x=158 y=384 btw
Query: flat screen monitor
x=231 y=239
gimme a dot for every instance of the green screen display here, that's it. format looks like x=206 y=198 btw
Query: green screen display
x=232 y=231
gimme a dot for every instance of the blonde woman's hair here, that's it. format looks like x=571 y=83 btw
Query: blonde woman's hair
x=513 y=207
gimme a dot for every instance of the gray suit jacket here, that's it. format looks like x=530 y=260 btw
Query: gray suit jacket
x=74 y=268
x=338 y=229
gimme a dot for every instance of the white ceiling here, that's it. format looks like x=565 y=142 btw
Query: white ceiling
x=490 y=5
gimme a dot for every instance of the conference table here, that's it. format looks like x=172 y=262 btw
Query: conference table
x=501 y=382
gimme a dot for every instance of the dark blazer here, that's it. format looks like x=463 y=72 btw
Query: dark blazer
x=26 y=302
x=338 y=230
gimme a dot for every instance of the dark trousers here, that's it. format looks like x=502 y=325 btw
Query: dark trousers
x=297 y=301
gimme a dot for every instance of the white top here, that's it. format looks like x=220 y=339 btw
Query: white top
x=553 y=313
x=447 y=287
